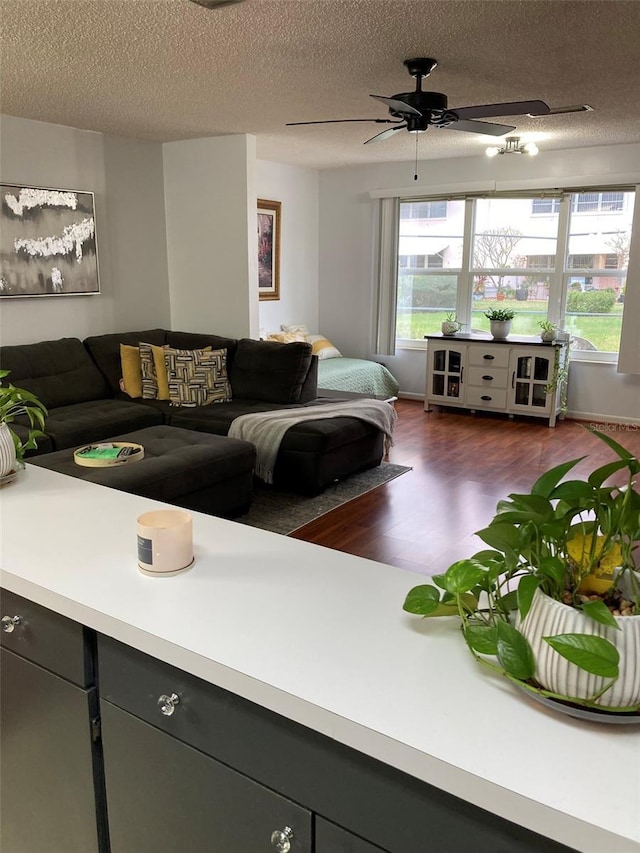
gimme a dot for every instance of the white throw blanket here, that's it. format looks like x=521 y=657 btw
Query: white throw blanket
x=266 y=429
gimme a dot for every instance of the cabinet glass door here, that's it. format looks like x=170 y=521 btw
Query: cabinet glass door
x=531 y=377
x=446 y=374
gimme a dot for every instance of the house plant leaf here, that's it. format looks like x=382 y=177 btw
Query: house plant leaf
x=526 y=589
x=593 y=654
x=599 y=611
x=545 y=484
x=482 y=639
x=422 y=600
x=463 y=576
x=514 y=652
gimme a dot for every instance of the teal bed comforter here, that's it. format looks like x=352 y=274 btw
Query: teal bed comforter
x=356 y=375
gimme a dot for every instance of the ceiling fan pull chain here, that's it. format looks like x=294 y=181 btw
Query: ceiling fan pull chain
x=415 y=173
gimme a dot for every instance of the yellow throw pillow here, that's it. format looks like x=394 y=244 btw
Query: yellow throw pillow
x=322 y=347
x=131 y=370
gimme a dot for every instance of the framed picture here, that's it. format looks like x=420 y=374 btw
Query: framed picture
x=269 y=249
x=47 y=242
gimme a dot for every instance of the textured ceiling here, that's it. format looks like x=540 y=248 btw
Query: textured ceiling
x=169 y=69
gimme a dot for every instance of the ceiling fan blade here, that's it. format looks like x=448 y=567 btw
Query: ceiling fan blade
x=512 y=108
x=340 y=120
x=398 y=106
x=490 y=128
x=385 y=134
x=576 y=108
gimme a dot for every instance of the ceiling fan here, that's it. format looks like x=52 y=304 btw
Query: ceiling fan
x=417 y=111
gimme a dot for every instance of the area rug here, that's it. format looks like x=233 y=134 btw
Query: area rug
x=284 y=512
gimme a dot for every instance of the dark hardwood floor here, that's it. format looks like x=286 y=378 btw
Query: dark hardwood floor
x=462 y=464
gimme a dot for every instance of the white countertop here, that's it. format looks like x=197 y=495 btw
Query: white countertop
x=320 y=637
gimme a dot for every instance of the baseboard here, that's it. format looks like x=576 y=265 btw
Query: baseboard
x=409 y=395
x=596 y=419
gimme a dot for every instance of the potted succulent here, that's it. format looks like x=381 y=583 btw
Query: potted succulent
x=450 y=324
x=14 y=403
x=549 y=331
x=553 y=604
x=500 y=322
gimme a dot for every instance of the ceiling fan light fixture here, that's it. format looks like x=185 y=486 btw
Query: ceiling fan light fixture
x=512 y=146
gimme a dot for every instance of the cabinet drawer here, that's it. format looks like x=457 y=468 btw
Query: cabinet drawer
x=488 y=377
x=46 y=638
x=491 y=355
x=332 y=839
x=486 y=398
x=164 y=795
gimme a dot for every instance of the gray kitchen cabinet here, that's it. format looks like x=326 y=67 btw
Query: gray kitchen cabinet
x=164 y=795
x=50 y=775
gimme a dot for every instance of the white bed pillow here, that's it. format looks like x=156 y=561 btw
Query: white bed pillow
x=322 y=347
x=292 y=328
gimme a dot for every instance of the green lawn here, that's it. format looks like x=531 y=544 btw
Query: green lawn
x=602 y=330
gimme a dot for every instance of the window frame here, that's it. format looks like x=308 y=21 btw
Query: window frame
x=559 y=276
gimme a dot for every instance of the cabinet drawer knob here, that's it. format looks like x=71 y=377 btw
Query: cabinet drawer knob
x=488 y=357
x=167 y=704
x=10 y=623
x=487 y=378
x=281 y=839
x=485 y=397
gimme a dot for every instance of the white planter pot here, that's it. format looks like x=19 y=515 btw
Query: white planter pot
x=500 y=328
x=547 y=337
x=7 y=451
x=449 y=327
x=548 y=617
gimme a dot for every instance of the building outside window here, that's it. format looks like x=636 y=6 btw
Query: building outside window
x=568 y=266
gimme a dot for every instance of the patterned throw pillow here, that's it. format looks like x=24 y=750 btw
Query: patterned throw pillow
x=197 y=377
x=154 y=372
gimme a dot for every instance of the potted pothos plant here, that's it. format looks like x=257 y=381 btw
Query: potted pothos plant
x=450 y=324
x=500 y=321
x=553 y=603
x=16 y=403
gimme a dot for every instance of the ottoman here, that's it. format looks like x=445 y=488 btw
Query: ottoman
x=197 y=471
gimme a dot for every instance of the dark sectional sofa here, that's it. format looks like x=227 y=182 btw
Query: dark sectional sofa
x=79 y=382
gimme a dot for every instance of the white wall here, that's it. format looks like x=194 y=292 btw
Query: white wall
x=346 y=255
x=126 y=177
x=298 y=190
x=210 y=195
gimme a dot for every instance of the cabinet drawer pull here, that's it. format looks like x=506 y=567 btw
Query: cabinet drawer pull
x=487 y=377
x=167 y=704
x=486 y=397
x=281 y=839
x=10 y=623
x=488 y=357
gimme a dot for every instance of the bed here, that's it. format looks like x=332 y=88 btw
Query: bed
x=356 y=375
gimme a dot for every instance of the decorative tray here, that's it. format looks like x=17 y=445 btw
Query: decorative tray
x=108 y=454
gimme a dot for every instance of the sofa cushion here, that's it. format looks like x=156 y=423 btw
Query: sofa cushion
x=269 y=371
x=59 y=373
x=71 y=426
x=105 y=351
x=198 y=340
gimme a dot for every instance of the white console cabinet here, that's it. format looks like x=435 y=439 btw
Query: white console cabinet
x=517 y=376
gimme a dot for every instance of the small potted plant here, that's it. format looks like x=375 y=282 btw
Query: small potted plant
x=549 y=331
x=14 y=403
x=450 y=324
x=500 y=322
x=553 y=604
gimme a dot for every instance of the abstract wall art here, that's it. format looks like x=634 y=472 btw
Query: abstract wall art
x=47 y=242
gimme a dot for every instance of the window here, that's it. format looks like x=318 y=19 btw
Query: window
x=497 y=251
x=540 y=262
x=545 y=205
x=580 y=262
x=420 y=262
x=597 y=202
x=424 y=210
x=430 y=256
